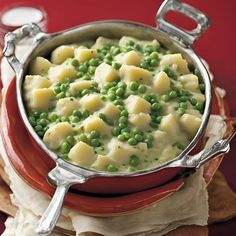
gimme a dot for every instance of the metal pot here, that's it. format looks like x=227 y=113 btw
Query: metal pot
x=65 y=174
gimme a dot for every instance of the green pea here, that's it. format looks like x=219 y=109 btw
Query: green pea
x=95 y=142
x=127 y=135
x=122 y=85
x=168 y=71
x=116 y=51
x=181 y=111
x=79 y=74
x=199 y=106
x=148 y=48
x=183 y=99
x=83 y=138
x=86 y=113
x=154 y=55
x=183 y=105
x=125 y=130
x=158 y=119
x=107 y=61
x=83 y=68
x=120 y=92
x=138 y=137
x=91 y=70
x=147 y=97
x=38 y=127
x=132 y=141
x=202 y=88
x=165 y=98
x=124 y=113
x=68 y=80
x=93 y=62
x=109 y=56
x=122 y=125
x=173 y=94
x=32 y=120
x=116 y=65
x=149 y=137
x=43 y=115
x=112 y=168
x=123 y=119
x=134 y=160
x=116 y=131
x=193 y=101
x=94 y=134
x=153 y=124
x=40 y=133
x=131 y=169
x=142 y=88
x=85 y=92
x=74 y=119
x=120 y=107
x=144 y=65
x=65 y=148
x=156 y=106
x=57 y=89
x=43 y=122
x=64 y=156
x=154 y=62
x=178 y=145
x=74 y=62
x=133 y=86
x=109 y=121
x=86 y=77
x=70 y=140
x=121 y=137
x=77 y=113
x=148 y=142
x=63 y=87
x=60 y=95
x=107 y=86
x=111 y=96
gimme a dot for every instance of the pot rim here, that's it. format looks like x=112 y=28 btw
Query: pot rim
x=88 y=173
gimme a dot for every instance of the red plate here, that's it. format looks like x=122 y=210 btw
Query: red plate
x=29 y=162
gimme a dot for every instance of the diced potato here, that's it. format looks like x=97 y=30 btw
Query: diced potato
x=131 y=58
x=194 y=112
x=105 y=73
x=61 y=72
x=91 y=102
x=136 y=104
x=82 y=154
x=79 y=85
x=61 y=53
x=176 y=60
x=35 y=82
x=95 y=123
x=190 y=82
x=169 y=124
x=102 y=41
x=83 y=54
x=199 y=97
x=102 y=162
x=160 y=138
x=140 y=120
x=66 y=106
x=39 y=66
x=111 y=111
x=190 y=123
x=56 y=134
x=161 y=82
x=41 y=99
x=133 y=73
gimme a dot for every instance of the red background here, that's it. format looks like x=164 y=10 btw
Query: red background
x=216 y=46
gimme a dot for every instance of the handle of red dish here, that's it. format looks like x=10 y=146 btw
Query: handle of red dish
x=13 y=38
x=63 y=179
x=187 y=37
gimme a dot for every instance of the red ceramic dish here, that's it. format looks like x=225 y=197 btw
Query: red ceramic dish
x=32 y=164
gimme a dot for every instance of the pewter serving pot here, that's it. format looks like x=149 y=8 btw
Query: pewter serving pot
x=65 y=174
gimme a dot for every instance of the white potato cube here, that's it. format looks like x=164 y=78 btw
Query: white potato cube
x=131 y=58
x=190 y=123
x=82 y=154
x=199 y=97
x=160 y=138
x=83 y=54
x=61 y=53
x=56 y=134
x=169 y=124
x=102 y=162
x=140 y=120
x=136 y=104
x=105 y=73
x=79 y=85
x=61 y=72
x=39 y=66
x=101 y=41
x=161 y=82
x=133 y=73
x=177 y=61
x=91 y=102
x=190 y=82
x=111 y=111
x=41 y=99
x=66 y=106
x=95 y=123
x=35 y=82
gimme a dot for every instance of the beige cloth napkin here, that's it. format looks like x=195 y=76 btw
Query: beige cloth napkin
x=188 y=206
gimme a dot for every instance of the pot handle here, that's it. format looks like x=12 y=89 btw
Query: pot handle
x=196 y=161
x=187 y=37
x=12 y=38
x=63 y=179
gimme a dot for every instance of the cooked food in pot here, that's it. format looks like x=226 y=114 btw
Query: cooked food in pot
x=114 y=105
